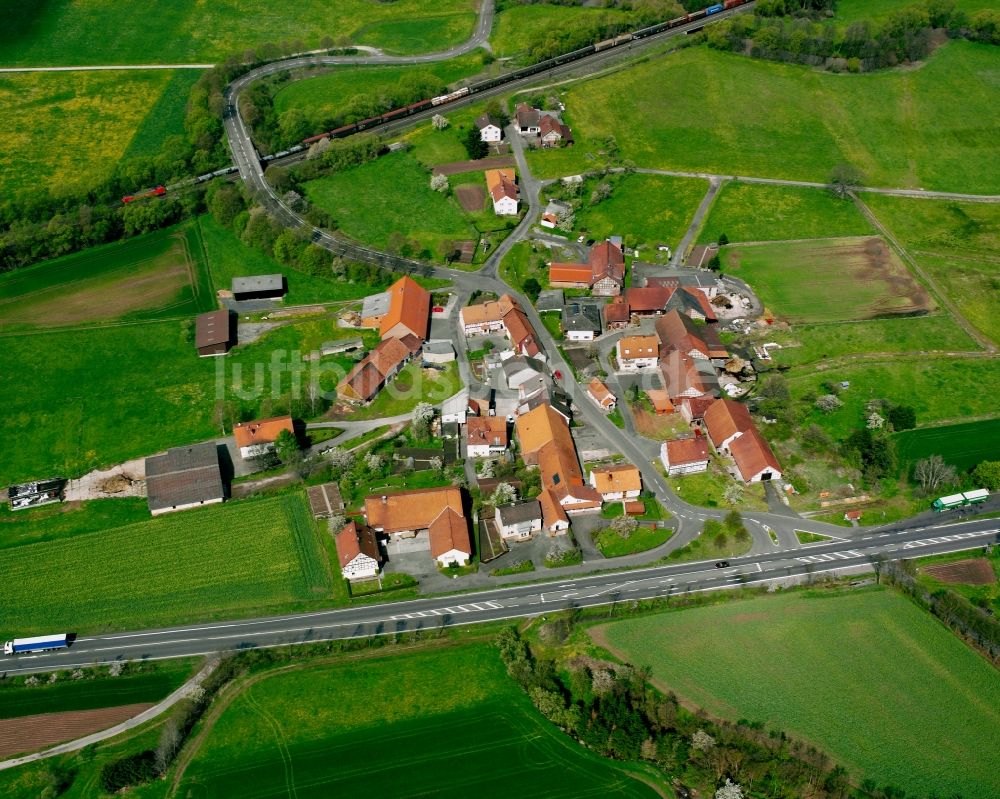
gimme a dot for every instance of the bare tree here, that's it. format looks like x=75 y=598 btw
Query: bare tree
x=702 y=741
x=166 y=749
x=602 y=682
x=933 y=472
x=828 y=403
x=340 y=459
x=436 y=463
x=879 y=561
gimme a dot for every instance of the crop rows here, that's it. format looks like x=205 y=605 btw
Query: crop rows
x=188 y=565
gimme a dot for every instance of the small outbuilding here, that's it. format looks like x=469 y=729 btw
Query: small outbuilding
x=259 y=287
x=214 y=333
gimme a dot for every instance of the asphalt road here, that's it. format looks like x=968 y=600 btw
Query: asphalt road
x=433 y=613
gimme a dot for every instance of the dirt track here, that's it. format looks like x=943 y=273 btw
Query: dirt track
x=458 y=167
x=28 y=733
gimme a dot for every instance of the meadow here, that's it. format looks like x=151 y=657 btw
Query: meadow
x=343 y=87
x=155 y=276
x=444 y=721
x=644 y=209
x=870 y=712
x=704 y=110
x=938 y=389
x=753 y=212
x=519 y=25
x=65 y=131
x=190 y=31
x=228 y=257
x=957 y=245
x=49 y=522
x=963 y=445
x=853 y=10
x=224 y=560
x=808 y=343
x=828 y=280
x=388 y=196
x=146 y=682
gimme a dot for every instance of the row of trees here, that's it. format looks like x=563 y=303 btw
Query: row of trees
x=905 y=35
x=612 y=709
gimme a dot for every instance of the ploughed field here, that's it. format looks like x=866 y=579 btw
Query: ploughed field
x=829 y=280
x=28 y=733
x=974 y=571
x=443 y=722
x=865 y=676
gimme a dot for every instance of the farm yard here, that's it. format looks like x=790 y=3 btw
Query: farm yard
x=89 y=121
x=189 y=31
x=461 y=725
x=709 y=111
x=829 y=280
x=869 y=712
x=963 y=445
x=753 y=212
x=223 y=561
x=155 y=276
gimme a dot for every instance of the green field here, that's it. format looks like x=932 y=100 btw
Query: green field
x=362 y=89
x=983 y=595
x=828 y=280
x=752 y=212
x=957 y=244
x=159 y=275
x=448 y=722
x=147 y=682
x=204 y=563
x=644 y=209
x=391 y=195
x=519 y=25
x=938 y=389
x=936 y=332
x=191 y=31
x=963 y=445
x=48 y=522
x=228 y=257
x=854 y=10
x=870 y=711
x=704 y=110
x=65 y=131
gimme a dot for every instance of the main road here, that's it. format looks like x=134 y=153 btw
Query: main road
x=435 y=613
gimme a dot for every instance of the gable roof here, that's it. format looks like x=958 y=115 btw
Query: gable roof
x=686 y=299
x=676 y=330
x=449 y=531
x=686 y=450
x=569 y=273
x=541 y=426
x=697 y=406
x=549 y=124
x=561 y=474
x=606 y=260
x=522 y=335
x=489 y=311
x=410 y=510
x=356 y=540
x=523 y=511
x=255 y=283
x=183 y=476
x=485 y=120
x=211 y=328
x=682 y=373
x=653 y=298
x=632 y=347
x=612 y=479
x=363 y=381
x=752 y=454
x=489 y=430
x=726 y=417
x=552 y=510
x=501 y=183
x=600 y=392
x=660 y=400
x=581 y=316
x=409 y=306
x=527 y=117
x=262 y=431
x=616 y=311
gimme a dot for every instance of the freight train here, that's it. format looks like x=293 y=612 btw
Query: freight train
x=542 y=66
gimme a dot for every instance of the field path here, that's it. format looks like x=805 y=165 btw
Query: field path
x=987 y=343
x=151 y=713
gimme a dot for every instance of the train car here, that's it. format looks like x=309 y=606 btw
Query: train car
x=714 y=9
x=451 y=96
x=159 y=191
x=617 y=40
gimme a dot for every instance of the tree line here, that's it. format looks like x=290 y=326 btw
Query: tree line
x=777 y=32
